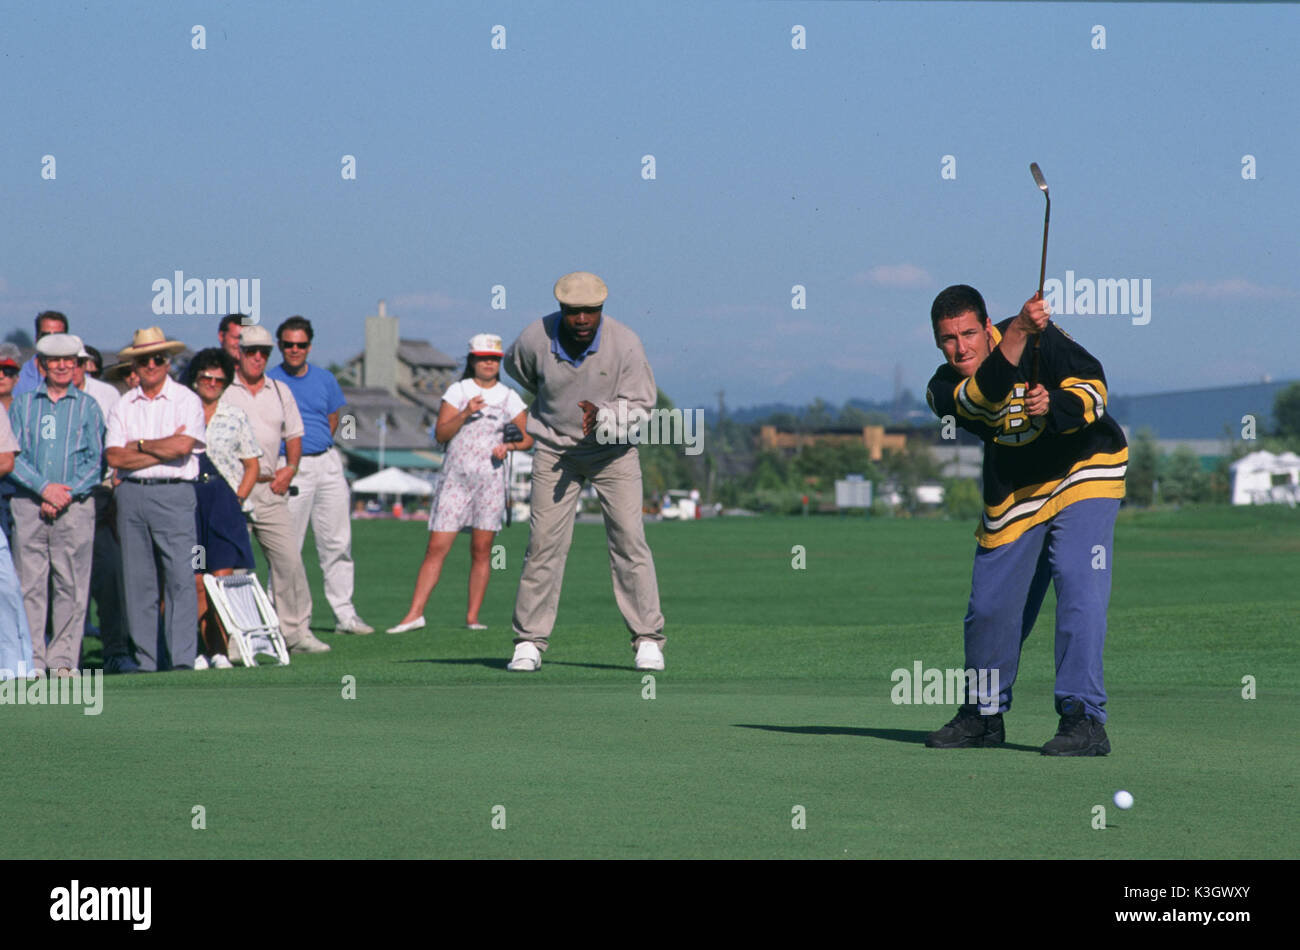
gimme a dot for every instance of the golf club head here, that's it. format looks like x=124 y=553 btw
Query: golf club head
x=1039 y=180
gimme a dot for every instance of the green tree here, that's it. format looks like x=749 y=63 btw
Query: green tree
x=664 y=466
x=1183 y=481
x=1286 y=413
x=1143 y=469
x=961 y=499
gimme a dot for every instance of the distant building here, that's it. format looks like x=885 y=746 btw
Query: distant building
x=413 y=369
x=876 y=440
x=394 y=389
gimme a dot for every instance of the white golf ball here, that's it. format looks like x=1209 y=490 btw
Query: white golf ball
x=1124 y=799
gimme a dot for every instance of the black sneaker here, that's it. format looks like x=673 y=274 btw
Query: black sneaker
x=969 y=729
x=1078 y=734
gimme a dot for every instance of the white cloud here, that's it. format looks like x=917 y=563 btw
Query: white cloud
x=894 y=275
x=1233 y=288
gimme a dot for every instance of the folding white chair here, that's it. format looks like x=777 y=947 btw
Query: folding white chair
x=249 y=619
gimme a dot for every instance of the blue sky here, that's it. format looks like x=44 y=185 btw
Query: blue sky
x=819 y=167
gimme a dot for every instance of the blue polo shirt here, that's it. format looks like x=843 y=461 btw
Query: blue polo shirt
x=318 y=394
x=553 y=331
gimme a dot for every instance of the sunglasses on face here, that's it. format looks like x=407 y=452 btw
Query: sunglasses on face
x=9 y=370
x=217 y=378
x=262 y=351
x=293 y=345
x=51 y=360
x=155 y=359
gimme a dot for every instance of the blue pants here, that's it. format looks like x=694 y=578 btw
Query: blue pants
x=15 y=635
x=1074 y=550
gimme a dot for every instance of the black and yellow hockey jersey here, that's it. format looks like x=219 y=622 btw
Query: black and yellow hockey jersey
x=1035 y=467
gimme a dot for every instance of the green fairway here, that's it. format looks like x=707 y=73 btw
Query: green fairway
x=776 y=703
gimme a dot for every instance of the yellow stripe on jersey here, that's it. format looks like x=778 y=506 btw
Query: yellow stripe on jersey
x=1091 y=392
x=1101 y=476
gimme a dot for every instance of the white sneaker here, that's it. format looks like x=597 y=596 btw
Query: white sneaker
x=475 y=626
x=354 y=624
x=221 y=662
x=649 y=656
x=309 y=644
x=200 y=662
x=415 y=624
x=527 y=658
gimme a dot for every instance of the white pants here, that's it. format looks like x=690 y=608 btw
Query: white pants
x=325 y=500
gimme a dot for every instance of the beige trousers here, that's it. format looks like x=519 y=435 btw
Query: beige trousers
x=557 y=480
x=53 y=564
x=273 y=527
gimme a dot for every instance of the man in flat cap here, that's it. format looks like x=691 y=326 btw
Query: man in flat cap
x=579 y=362
x=273 y=412
x=60 y=434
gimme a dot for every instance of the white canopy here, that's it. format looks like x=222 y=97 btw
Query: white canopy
x=392 y=481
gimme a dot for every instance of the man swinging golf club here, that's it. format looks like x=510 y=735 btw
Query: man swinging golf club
x=1054 y=464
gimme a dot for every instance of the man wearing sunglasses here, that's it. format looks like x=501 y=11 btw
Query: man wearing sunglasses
x=153 y=432
x=47 y=322
x=323 y=496
x=273 y=412
x=60 y=433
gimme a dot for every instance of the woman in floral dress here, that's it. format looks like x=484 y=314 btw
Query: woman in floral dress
x=471 y=492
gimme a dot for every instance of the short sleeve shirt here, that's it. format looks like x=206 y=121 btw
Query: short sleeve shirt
x=136 y=416
x=318 y=394
x=230 y=441
x=273 y=413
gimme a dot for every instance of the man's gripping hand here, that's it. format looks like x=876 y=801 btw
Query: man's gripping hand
x=1037 y=402
x=588 y=416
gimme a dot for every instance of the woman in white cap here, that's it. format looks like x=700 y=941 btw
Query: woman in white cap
x=471 y=422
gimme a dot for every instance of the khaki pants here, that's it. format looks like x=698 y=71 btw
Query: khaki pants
x=53 y=564
x=273 y=528
x=557 y=480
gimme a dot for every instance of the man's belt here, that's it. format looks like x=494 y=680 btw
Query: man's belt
x=160 y=481
x=314 y=454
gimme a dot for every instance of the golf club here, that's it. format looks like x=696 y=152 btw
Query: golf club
x=1041 y=182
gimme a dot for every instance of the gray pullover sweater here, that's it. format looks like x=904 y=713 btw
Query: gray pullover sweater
x=617 y=370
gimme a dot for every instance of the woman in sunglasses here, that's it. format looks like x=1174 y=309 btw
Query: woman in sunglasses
x=227 y=474
x=471 y=492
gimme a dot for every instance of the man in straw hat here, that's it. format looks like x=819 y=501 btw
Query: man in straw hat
x=153 y=432
x=579 y=362
x=60 y=433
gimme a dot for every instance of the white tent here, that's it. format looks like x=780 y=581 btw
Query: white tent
x=391 y=481
x=1262 y=478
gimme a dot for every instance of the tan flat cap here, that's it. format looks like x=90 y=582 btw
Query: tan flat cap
x=581 y=289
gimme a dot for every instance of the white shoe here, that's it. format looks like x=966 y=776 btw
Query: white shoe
x=221 y=662
x=354 y=624
x=309 y=644
x=415 y=624
x=200 y=662
x=475 y=626
x=649 y=656
x=527 y=658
